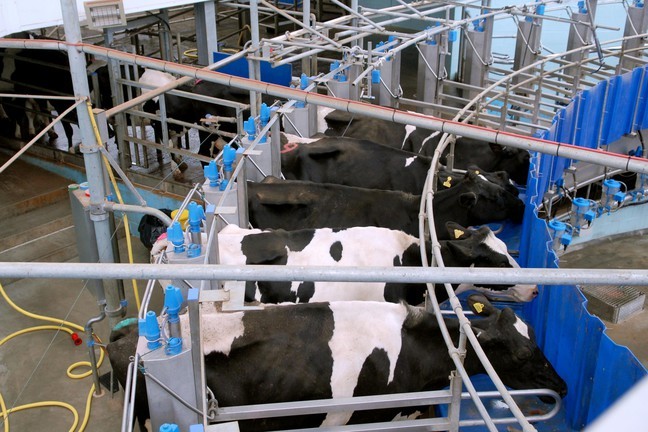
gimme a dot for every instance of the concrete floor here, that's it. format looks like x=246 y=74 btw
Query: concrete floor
x=33 y=366
x=622 y=252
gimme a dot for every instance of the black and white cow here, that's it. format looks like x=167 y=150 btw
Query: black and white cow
x=344 y=349
x=293 y=204
x=359 y=247
x=47 y=72
x=363 y=163
x=489 y=156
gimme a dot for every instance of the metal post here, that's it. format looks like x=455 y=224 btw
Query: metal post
x=253 y=64
x=636 y=23
x=527 y=46
x=306 y=9
x=206 y=36
x=91 y=157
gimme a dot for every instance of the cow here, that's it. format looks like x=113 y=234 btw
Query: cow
x=295 y=204
x=359 y=247
x=339 y=160
x=489 y=156
x=296 y=352
x=47 y=72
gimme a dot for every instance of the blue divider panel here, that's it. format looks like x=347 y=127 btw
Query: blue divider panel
x=281 y=75
x=641 y=120
x=597 y=371
x=600 y=115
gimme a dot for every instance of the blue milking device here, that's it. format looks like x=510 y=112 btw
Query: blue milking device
x=302 y=119
x=172 y=364
x=259 y=163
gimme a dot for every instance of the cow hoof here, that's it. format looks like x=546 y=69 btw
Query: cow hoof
x=71 y=150
x=183 y=167
x=52 y=135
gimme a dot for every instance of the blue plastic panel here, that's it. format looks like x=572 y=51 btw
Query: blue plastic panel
x=641 y=120
x=281 y=75
x=596 y=370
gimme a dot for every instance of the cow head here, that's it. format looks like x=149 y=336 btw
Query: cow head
x=481 y=248
x=512 y=160
x=500 y=178
x=511 y=348
x=487 y=202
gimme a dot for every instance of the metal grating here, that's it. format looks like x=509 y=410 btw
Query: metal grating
x=613 y=303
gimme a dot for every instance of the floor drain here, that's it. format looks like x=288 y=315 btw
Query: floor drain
x=613 y=303
x=105 y=381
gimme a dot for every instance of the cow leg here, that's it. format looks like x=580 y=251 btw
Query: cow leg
x=3 y=113
x=67 y=127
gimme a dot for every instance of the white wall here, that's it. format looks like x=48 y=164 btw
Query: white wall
x=22 y=15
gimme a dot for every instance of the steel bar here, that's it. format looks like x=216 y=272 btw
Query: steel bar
x=31 y=96
x=131 y=187
x=300 y=23
x=39 y=135
x=324 y=273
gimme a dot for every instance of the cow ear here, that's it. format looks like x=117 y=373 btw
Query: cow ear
x=457 y=232
x=468 y=199
x=481 y=306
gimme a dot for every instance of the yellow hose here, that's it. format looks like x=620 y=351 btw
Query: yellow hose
x=119 y=198
x=3 y=409
x=5 y=413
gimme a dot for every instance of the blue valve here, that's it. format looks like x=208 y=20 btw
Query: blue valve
x=375 y=76
x=229 y=156
x=264 y=116
x=250 y=128
x=176 y=236
x=452 y=36
x=169 y=427
x=211 y=173
x=172 y=302
x=303 y=81
x=149 y=328
x=174 y=346
x=540 y=9
x=196 y=216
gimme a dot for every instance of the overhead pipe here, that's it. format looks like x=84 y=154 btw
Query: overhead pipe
x=506 y=276
x=600 y=157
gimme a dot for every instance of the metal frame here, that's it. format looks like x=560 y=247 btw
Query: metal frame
x=312 y=36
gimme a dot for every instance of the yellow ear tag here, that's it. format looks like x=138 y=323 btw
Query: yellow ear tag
x=448 y=183
x=479 y=307
x=458 y=233
x=477 y=172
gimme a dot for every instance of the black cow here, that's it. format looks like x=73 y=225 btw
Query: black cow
x=47 y=72
x=468 y=151
x=293 y=204
x=359 y=247
x=363 y=163
x=344 y=349
x=489 y=156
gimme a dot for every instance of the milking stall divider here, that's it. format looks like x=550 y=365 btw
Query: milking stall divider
x=519 y=105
